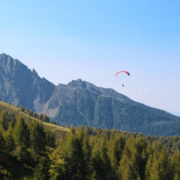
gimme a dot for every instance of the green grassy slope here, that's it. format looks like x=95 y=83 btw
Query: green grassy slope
x=16 y=111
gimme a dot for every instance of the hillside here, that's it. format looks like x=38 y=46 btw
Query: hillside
x=80 y=102
x=5 y=107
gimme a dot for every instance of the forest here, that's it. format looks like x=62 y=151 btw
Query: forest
x=30 y=150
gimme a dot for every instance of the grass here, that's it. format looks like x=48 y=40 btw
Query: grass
x=16 y=111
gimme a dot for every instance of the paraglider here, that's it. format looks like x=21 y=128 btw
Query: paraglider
x=123 y=72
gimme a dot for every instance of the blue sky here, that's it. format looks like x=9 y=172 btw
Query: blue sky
x=92 y=40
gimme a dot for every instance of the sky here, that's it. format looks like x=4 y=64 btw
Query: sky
x=65 y=40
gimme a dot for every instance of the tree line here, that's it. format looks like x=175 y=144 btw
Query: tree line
x=30 y=150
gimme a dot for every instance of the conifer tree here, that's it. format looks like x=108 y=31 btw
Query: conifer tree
x=10 y=143
x=22 y=136
x=45 y=118
x=73 y=156
x=161 y=168
x=21 y=108
x=50 y=138
x=118 y=146
x=12 y=123
x=37 y=136
x=41 y=116
x=175 y=162
x=34 y=114
x=42 y=169
x=30 y=113
x=96 y=164
x=27 y=109
x=106 y=161
x=4 y=122
x=2 y=147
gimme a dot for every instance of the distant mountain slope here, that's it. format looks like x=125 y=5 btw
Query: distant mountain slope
x=81 y=103
x=19 y=85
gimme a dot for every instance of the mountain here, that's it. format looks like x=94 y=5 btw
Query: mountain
x=81 y=103
x=21 y=86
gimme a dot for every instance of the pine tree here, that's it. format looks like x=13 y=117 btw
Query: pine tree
x=118 y=146
x=37 y=136
x=96 y=164
x=21 y=108
x=10 y=143
x=2 y=147
x=4 y=122
x=13 y=123
x=175 y=162
x=161 y=169
x=73 y=156
x=45 y=118
x=30 y=113
x=50 y=138
x=22 y=136
x=106 y=160
x=41 y=116
x=42 y=169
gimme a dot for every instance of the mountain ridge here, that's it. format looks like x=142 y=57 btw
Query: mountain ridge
x=80 y=102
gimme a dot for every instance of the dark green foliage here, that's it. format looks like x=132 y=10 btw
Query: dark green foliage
x=41 y=116
x=30 y=113
x=37 y=137
x=2 y=146
x=34 y=114
x=73 y=155
x=42 y=169
x=85 y=154
x=4 y=122
x=22 y=136
x=13 y=123
x=10 y=142
x=21 y=108
x=50 y=138
x=45 y=118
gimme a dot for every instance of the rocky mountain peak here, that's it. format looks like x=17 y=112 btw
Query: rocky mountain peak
x=34 y=72
x=77 y=83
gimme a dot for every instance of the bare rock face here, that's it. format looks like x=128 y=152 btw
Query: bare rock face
x=21 y=86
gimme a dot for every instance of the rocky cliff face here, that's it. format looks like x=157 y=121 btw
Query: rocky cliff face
x=21 y=86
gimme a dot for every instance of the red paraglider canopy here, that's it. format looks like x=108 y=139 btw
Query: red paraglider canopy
x=124 y=72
